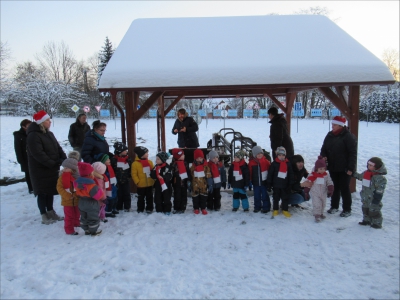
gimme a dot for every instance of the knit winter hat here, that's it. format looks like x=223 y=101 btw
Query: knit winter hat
x=140 y=151
x=70 y=163
x=177 y=153
x=74 y=155
x=40 y=117
x=163 y=156
x=119 y=147
x=198 y=153
x=85 y=169
x=320 y=163
x=213 y=154
x=256 y=150
x=339 y=121
x=101 y=157
x=240 y=154
x=99 y=167
x=376 y=161
x=280 y=150
x=297 y=158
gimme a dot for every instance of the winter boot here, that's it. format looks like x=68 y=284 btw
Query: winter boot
x=317 y=218
x=332 y=210
x=204 y=212
x=246 y=210
x=96 y=233
x=46 y=220
x=286 y=214
x=234 y=209
x=196 y=211
x=52 y=215
x=275 y=213
x=364 y=223
x=376 y=226
x=322 y=217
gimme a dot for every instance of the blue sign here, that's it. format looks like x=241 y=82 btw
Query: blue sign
x=334 y=112
x=316 y=112
x=232 y=112
x=216 y=112
x=104 y=112
x=153 y=113
x=297 y=106
x=298 y=113
x=247 y=112
x=119 y=115
x=171 y=114
x=201 y=112
x=263 y=113
x=138 y=106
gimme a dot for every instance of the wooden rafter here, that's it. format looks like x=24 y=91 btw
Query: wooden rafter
x=172 y=105
x=146 y=106
x=339 y=103
x=276 y=101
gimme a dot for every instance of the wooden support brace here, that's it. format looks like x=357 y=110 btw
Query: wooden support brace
x=172 y=105
x=147 y=105
x=346 y=111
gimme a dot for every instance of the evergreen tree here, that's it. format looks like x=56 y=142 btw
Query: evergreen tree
x=105 y=55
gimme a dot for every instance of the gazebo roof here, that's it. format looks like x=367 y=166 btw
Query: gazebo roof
x=268 y=51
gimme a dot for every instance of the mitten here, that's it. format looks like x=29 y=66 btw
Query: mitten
x=210 y=183
x=377 y=198
x=189 y=186
x=245 y=188
x=210 y=188
x=330 y=190
x=250 y=186
x=223 y=185
x=307 y=193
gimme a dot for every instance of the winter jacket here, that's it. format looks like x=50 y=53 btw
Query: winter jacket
x=166 y=174
x=200 y=184
x=68 y=197
x=86 y=188
x=320 y=189
x=187 y=139
x=222 y=175
x=255 y=172
x=279 y=135
x=341 y=151
x=93 y=145
x=273 y=181
x=298 y=175
x=45 y=157
x=99 y=179
x=176 y=180
x=20 y=149
x=240 y=184
x=77 y=132
x=138 y=176
x=121 y=174
x=374 y=192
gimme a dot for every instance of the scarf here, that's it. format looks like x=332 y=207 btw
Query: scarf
x=67 y=179
x=214 y=167
x=107 y=185
x=113 y=179
x=160 y=179
x=99 y=136
x=146 y=167
x=122 y=162
x=181 y=169
x=282 y=167
x=337 y=132
x=367 y=178
x=237 y=171
x=317 y=177
x=199 y=168
x=264 y=166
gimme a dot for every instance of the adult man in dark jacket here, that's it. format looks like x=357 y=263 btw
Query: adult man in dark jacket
x=20 y=151
x=340 y=151
x=186 y=129
x=77 y=132
x=279 y=134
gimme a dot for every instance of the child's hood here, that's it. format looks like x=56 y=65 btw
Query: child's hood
x=81 y=181
x=382 y=170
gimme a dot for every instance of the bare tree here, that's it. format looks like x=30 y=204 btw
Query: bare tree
x=5 y=56
x=316 y=10
x=390 y=57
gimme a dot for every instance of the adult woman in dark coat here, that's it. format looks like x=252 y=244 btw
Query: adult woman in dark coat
x=340 y=151
x=20 y=151
x=77 y=132
x=95 y=142
x=279 y=134
x=186 y=129
x=45 y=157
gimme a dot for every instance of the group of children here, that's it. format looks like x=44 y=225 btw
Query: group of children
x=91 y=193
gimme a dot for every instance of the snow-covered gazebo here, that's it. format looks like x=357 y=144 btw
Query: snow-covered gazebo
x=175 y=58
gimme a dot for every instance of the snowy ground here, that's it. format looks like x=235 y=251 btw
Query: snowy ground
x=222 y=255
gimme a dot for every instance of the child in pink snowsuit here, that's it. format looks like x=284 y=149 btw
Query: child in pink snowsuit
x=321 y=189
x=101 y=180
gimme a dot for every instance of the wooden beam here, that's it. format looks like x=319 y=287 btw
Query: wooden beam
x=341 y=92
x=354 y=103
x=130 y=131
x=114 y=100
x=276 y=101
x=146 y=106
x=172 y=105
x=162 y=121
x=346 y=111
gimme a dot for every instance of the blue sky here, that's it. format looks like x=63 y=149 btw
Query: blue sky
x=26 y=26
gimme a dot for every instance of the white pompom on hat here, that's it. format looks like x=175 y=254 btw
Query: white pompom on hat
x=40 y=117
x=339 y=121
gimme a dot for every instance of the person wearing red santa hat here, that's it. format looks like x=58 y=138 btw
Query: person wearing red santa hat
x=45 y=157
x=339 y=149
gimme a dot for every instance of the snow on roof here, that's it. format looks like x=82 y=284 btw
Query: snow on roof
x=245 y=50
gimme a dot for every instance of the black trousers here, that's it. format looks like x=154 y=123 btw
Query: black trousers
x=124 y=196
x=341 y=183
x=145 y=193
x=280 y=194
x=28 y=181
x=45 y=203
x=200 y=201
x=180 y=197
x=163 y=200
x=214 y=199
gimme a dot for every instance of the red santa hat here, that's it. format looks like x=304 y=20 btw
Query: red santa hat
x=40 y=117
x=339 y=121
x=177 y=153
